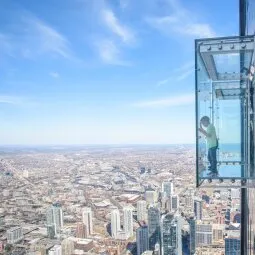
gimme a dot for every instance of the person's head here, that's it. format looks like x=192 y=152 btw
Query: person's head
x=205 y=121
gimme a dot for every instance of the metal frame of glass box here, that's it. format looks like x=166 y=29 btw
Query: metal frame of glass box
x=224 y=71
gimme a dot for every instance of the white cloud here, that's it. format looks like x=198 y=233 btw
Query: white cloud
x=109 y=52
x=54 y=74
x=35 y=38
x=163 y=82
x=179 y=74
x=4 y=99
x=181 y=21
x=185 y=74
x=49 y=39
x=111 y=21
x=199 y=30
x=178 y=100
x=187 y=66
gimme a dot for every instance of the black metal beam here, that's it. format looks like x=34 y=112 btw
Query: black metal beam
x=244 y=200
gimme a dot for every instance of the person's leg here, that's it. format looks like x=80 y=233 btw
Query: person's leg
x=209 y=156
x=213 y=159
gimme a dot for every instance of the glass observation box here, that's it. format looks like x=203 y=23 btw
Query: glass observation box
x=224 y=70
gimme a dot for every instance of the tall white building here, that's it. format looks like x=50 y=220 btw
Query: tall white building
x=128 y=221
x=174 y=202
x=141 y=210
x=14 y=235
x=115 y=223
x=168 y=188
x=87 y=220
x=55 y=250
x=54 y=217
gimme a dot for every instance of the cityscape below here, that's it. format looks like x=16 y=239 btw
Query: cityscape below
x=107 y=200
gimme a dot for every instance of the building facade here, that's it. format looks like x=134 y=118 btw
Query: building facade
x=204 y=234
x=167 y=235
x=153 y=226
x=142 y=239
x=141 y=210
x=81 y=230
x=128 y=221
x=198 y=209
x=87 y=220
x=174 y=202
x=14 y=235
x=232 y=246
x=168 y=188
x=54 y=218
x=115 y=223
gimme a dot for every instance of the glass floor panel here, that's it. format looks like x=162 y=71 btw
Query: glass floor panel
x=226 y=171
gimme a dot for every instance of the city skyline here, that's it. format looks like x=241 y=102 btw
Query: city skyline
x=92 y=73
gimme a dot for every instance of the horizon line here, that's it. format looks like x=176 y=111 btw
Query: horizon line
x=100 y=144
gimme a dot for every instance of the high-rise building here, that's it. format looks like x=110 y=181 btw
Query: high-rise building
x=176 y=237
x=115 y=223
x=14 y=235
x=55 y=250
x=174 y=202
x=204 y=234
x=168 y=188
x=142 y=240
x=166 y=234
x=81 y=230
x=198 y=209
x=54 y=217
x=150 y=196
x=232 y=246
x=192 y=242
x=67 y=246
x=141 y=210
x=128 y=221
x=87 y=220
x=153 y=226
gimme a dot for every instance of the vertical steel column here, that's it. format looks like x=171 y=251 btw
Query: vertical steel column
x=196 y=109
x=244 y=200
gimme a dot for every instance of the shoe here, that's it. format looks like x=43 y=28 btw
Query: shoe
x=213 y=173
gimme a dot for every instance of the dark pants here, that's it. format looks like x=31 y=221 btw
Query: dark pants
x=212 y=158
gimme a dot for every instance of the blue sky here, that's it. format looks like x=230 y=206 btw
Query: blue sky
x=103 y=72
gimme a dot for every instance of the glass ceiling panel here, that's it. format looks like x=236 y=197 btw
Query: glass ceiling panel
x=227 y=63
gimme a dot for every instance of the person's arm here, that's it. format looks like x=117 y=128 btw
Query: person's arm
x=203 y=131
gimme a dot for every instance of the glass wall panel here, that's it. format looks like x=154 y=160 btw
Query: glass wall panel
x=222 y=108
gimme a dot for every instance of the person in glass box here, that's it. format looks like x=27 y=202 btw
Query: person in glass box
x=212 y=143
